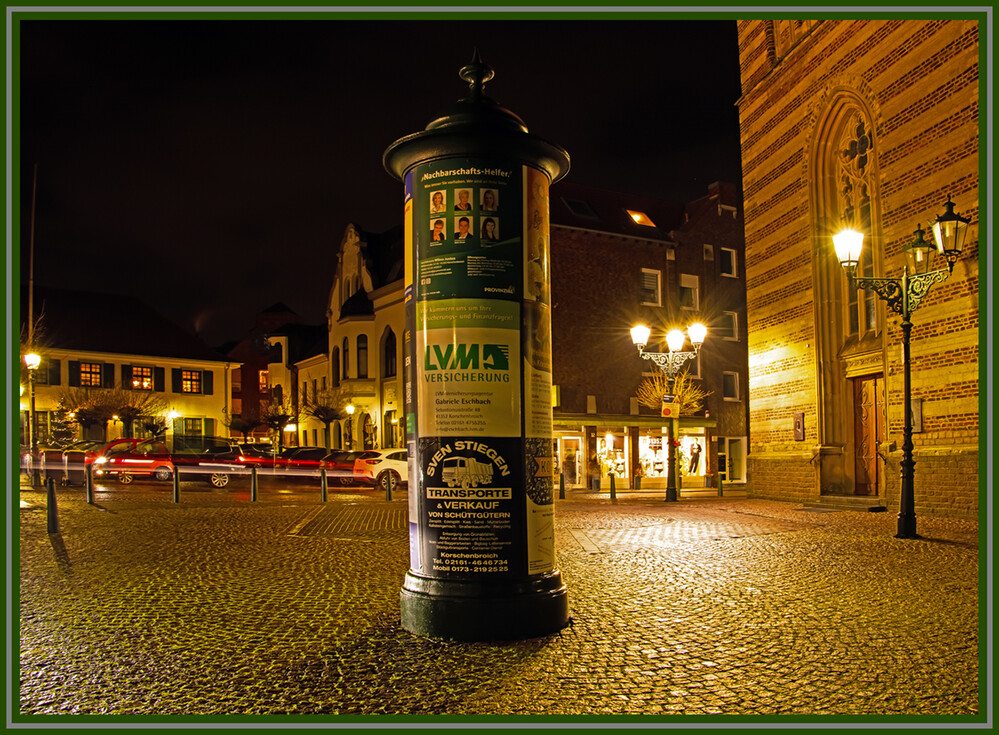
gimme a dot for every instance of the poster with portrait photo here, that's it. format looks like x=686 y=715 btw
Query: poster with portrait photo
x=463 y=229
x=438 y=232
x=489 y=200
x=438 y=201
x=463 y=200
x=489 y=229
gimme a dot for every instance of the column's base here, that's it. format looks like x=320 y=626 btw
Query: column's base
x=480 y=611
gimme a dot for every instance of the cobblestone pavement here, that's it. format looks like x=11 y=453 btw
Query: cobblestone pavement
x=719 y=606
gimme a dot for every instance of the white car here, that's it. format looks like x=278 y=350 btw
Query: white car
x=383 y=468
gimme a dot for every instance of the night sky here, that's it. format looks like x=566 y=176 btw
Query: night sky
x=211 y=167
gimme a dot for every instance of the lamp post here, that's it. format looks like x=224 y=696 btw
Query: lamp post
x=32 y=361
x=904 y=295
x=670 y=363
x=350 y=425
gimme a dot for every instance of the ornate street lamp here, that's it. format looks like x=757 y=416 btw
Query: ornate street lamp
x=903 y=295
x=670 y=363
x=32 y=361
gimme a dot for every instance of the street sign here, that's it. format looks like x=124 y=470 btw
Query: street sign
x=671 y=406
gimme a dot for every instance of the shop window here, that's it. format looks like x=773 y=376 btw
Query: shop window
x=732 y=458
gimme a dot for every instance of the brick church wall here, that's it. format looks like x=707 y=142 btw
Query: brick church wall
x=920 y=80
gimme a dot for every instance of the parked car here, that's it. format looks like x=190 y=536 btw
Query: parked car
x=339 y=464
x=126 y=460
x=383 y=468
x=210 y=458
x=223 y=461
x=304 y=461
x=93 y=454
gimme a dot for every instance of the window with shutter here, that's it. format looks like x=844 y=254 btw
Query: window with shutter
x=190 y=381
x=689 y=286
x=89 y=375
x=651 y=284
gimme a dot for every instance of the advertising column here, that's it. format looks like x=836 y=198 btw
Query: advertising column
x=478 y=380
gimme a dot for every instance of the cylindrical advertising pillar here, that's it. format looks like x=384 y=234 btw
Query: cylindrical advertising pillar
x=478 y=373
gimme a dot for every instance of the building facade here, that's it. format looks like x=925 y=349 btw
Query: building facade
x=871 y=124
x=366 y=326
x=680 y=264
x=620 y=259
x=99 y=351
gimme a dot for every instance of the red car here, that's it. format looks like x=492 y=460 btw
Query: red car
x=143 y=458
x=339 y=465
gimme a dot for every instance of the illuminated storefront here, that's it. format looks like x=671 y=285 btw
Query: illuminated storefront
x=586 y=449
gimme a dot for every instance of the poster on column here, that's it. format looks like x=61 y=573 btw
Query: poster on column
x=481 y=372
x=537 y=350
x=467 y=226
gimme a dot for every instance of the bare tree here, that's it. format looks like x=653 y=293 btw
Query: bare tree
x=244 y=424
x=131 y=405
x=90 y=406
x=278 y=415
x=690 y=396
x=95 y=406
x=326 y=406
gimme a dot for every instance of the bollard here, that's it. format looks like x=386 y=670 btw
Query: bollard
x=561 y=486
x=253 y=484
x=388 y=488
x=323 y=483
x=51 y=511
x=176 y=484
x=720 y=491
x=613 y=490
x=65 y=469
x=88 y=479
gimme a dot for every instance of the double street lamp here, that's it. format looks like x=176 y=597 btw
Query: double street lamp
x=904 y=295
x=670 y=363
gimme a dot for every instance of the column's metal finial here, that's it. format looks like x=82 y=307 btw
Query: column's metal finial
x=476 y=73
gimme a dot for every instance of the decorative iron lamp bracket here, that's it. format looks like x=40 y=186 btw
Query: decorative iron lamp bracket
x=668 y=362
x=903 y=295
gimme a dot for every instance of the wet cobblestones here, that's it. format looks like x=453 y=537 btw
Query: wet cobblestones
x=728 y=606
